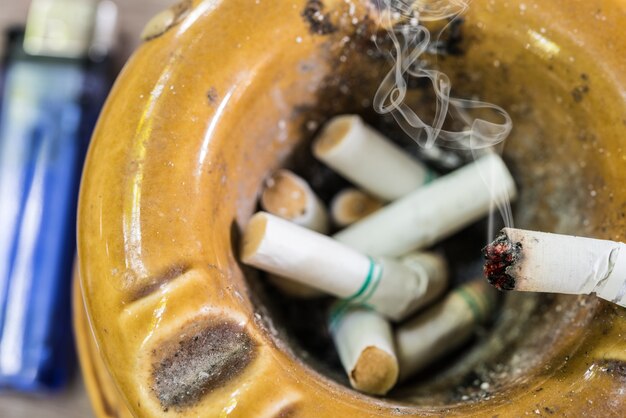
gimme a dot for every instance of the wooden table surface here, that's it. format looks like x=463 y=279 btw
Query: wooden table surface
x=73 y=402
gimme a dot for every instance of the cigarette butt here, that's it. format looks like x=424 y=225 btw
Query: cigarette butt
x=290 y=197
x=434 y=270
x=351 y=205
x=434 y=211
x=368 y=159
x=307 y=257
x=544 y=262
x=364 y=341
x=443 y=327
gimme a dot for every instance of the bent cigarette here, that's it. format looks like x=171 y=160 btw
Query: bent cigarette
x=351 y=205
x=368 y=159
x=364 y=341
x=434 y=211
x=543 y=262
x=289 y=196
x=443 y=327
x=307 y=257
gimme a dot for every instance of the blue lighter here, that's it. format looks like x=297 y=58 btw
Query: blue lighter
x=54 y=82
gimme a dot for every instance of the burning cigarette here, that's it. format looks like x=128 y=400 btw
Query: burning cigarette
x=368 y=159
x=542 y=262
x=364 y=341
x=307 y=257
x=442 y=327
x=289 y=196
x=351 y=205
x=434 y=211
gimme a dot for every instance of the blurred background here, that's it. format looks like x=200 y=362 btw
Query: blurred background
x=59 y=59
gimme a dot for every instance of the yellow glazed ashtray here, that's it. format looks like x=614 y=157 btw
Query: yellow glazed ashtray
x=224 y=92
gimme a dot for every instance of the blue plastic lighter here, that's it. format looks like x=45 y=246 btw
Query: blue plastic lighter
x=54 y=81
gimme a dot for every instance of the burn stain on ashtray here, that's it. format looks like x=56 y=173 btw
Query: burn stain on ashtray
x=204 y=356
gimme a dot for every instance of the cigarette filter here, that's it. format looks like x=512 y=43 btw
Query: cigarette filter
x=351 y=205
x=434 y=211
x=364 y=341
x=289 y=196
x=288 y=250
x=442 y=327
x=368 y=159
x=543 y=262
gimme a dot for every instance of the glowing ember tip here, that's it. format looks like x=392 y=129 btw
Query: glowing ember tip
x=499 y=256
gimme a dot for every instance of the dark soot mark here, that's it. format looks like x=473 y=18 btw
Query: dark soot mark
x=319 y=23
x=288 y=411
x=204 y=357
x=212 y=95
x=614 y=368
x=499 y=255
x=450 y=43
x=154 y=283
x=578 y=93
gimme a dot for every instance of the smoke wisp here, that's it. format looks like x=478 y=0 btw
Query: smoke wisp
x=409 y=40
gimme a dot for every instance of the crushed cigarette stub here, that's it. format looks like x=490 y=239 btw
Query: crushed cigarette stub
x=290 y=197
x=288 y=250
x=443 y=327
x=368 y=159
x=544 y=262
x=364 y=341
x=351 y=205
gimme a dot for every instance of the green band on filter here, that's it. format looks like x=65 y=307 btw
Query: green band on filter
x=366 y=283
x=361 y=296
x=472 y=303
x=430 y=176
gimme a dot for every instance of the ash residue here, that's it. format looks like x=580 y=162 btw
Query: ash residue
x=319 y=22
x=614 y=368
x=203 y=358
x=579 y=93
x=499 y=255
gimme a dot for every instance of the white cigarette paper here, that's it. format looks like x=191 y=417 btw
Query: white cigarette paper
x=364 y=341
x=288 y=250
x=443 y=327
x=368 y=159
x=289 y=196
x=434 y=211
x=351 y=205
x=556 y=263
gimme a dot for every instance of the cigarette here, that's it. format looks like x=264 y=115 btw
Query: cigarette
x=364 y=341
x=542 y=262
x=289 y=196
x=368 y=159
x=351 y=205
x=443 y=327
x=308 y=257
x=434 y=211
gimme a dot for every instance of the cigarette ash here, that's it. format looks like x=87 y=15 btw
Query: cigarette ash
x=501 y=254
